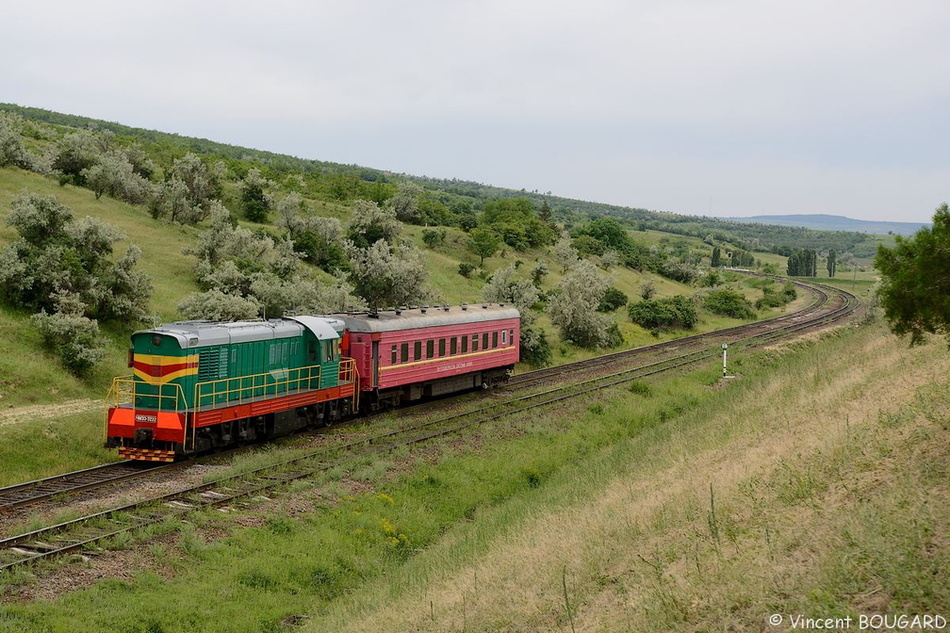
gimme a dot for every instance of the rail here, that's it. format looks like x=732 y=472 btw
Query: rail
x=241 y=389
x=124 y=392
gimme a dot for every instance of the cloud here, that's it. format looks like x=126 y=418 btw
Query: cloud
x=688 y=87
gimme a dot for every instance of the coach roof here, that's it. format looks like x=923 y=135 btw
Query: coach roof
x=436 y=316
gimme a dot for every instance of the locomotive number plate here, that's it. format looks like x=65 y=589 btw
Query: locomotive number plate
x=141 y=417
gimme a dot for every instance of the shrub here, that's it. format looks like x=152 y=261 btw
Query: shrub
x=535 y=348
x=667 y=313
x=72 y=336
x=466 y=269
x=432 y=237
x=729 y=303
x=612 y=300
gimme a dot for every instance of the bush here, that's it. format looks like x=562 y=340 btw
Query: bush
x=535 y=348
x=466 y=269
x=772 y=299
x=72 y=336
x=729 y=303
x=612 y=300
x=669 y=313
x=432 y=237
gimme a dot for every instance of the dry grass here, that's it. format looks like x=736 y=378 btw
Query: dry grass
x=736 y=516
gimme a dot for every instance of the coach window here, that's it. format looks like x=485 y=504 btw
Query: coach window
x=441 y=347
x=485 y=340
x=464 y=344
x=430 y=348
x=417 y=351
x=474 y=342
x=504 y=337
x=453 y=346
x=405 y=352
x=494 y=339
x=394 y=356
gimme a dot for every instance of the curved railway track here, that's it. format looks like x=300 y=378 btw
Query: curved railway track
x=84 y=532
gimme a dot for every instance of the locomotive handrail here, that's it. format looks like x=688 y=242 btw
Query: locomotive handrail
x=350 y=374
x=124 y=391
x=253 y=386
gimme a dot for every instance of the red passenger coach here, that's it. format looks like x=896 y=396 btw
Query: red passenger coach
x=423 y=352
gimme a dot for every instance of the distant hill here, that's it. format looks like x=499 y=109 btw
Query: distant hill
x=824 y=222
x=339 y=184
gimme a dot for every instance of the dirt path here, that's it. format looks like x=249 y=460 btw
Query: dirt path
x=19 y=415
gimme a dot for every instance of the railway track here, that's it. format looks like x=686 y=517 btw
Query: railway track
x=31 y=492
x=83 y=533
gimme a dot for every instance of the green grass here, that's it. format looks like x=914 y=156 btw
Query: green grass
x=399 y=528
x=41 y=448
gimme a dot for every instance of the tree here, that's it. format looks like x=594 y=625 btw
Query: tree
x=832 y=262
x=114 y=175
x=405 y=204
x=716 y=261
x=12 y=151
x=56 y=254
x=370 y=223
x=915 y=280
x=574 y=309
x=803 y=263
x=186 y=195
x=516 y=221
x=504 y=287
x=564 y=253
x=76 y=152
x=254 y=202
x=385 y=275
x=246 y=274
x=62 y=268
x=483 y=243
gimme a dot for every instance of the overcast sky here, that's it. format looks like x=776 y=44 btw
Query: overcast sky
x=712 y=107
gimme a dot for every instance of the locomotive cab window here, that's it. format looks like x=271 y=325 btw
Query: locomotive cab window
x=312 y=351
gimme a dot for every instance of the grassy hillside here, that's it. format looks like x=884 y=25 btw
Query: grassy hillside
x=39 y=379
x=690 y=504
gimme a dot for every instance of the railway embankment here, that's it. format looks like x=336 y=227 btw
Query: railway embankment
x=813 y=482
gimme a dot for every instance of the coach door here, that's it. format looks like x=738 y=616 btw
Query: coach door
x=375 y=363
x=360 y=352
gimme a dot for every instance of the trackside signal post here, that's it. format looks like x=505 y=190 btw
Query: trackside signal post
x=725 y=347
